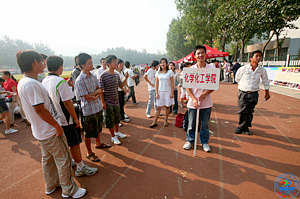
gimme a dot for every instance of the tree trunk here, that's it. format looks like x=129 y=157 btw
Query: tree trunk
x=267 y=43
x=277 y=50
x=223 y=44
x=242 y=48
x=236 y=50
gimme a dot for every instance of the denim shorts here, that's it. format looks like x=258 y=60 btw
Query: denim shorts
x=92 y=125
x=3 y=106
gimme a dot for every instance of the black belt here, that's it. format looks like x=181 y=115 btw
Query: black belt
x=248 y=92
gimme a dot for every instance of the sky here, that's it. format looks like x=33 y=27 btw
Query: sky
x=91 y=26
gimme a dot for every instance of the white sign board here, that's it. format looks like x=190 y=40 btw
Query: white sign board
x=201 y=78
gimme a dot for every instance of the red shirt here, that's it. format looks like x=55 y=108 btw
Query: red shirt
x=8 y=84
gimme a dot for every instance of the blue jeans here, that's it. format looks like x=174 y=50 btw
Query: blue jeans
x=204 y=118
x=152 y=99
x=174 y=108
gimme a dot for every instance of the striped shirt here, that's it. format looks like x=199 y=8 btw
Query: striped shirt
x=85 y=85
x=109 y=83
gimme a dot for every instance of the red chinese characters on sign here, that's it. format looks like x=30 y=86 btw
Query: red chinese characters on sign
x=201 y=78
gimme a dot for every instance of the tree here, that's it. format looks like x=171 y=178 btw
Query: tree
x=177 y=44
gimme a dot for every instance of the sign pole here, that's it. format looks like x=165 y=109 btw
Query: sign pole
x=197 y=127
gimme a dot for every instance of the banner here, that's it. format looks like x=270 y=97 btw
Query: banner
x=201 y=78
x=288 y=77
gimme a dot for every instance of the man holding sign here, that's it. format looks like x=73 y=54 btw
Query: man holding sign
x=197 y=78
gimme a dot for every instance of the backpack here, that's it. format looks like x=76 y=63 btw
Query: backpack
x=179 y=120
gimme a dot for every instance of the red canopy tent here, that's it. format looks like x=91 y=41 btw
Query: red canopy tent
x=210 y=53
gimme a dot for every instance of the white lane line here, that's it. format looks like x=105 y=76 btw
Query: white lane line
x=236 y=137
x=288 y=139
x=13 y=184
x=103 y=157
x=176 y=154
x=130 y=166
x=174 y=133
x=180 y=186
x=221 y=174
x=284 y=128
x=257 y=159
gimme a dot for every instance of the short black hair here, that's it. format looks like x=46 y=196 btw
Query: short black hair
x=120 y=61
x=102 y=59
x=127 y=64
x=82 y=58
x=154 y=63
x=109 y=58
x=54 y=62
x=26 y=58
x=76 y=60
x=172 y=63
x=44 y=56
x=186 y=64
x=257 y=51
x=199 y=47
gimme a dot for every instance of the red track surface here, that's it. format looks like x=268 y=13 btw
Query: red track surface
x=151 y=163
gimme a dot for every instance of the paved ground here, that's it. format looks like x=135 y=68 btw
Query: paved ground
x=151 y=163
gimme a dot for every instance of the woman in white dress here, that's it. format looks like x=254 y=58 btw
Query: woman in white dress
x=164 y=86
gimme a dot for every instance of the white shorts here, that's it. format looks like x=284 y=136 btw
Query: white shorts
x=184 y=93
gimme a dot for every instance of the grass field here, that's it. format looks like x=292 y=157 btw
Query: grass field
x=65 y=74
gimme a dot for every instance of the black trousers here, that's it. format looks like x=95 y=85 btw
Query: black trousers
x=122 y=103
x=131 y=94
x=247 y=102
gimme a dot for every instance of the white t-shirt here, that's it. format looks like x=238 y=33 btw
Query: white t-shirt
x=130 y=81
x=122 y=77
x=151 y=76
x=164 y=80
x=59 y=92
x=33 y=93
x=98 y=72
x=2 y=96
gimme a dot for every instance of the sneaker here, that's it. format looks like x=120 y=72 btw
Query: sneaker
x=120 y=124
x=238 y=130
x=85 y=171
x=148 y=116
x=187 y=145
x=115 y=140
x=125 y=120
x=10 y=131
x=73 y=163
x=126 y=116
x=120 y=135
x=135 y=102
x=247 y=131
x=80 y=193
x=49 y=192
x=206 y=147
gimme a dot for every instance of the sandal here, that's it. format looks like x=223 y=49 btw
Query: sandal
x=92 y=157
x=166 y=124
x=153 y=125
x=102 y=146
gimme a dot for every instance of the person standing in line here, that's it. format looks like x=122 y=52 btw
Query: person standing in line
x=164 y=86
x=121 y=91
x=150 y=79
x=109 y=83
x=196 y=95
x=234 y=69
x=4 y=111
x=61 y=97
x=174 y=109
x=130 y=82
x=88 y=90
x=45 y=126
x=248 y=78
x=101 y=69
x=183 y=92
x=226 y=68
x=11 y=84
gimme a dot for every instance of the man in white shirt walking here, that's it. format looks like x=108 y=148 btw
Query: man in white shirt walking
x=130 y=82
x=248 y=78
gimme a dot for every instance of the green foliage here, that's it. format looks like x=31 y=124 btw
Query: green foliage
x=177 y=45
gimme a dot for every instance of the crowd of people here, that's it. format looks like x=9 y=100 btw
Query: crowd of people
x=58 y=114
